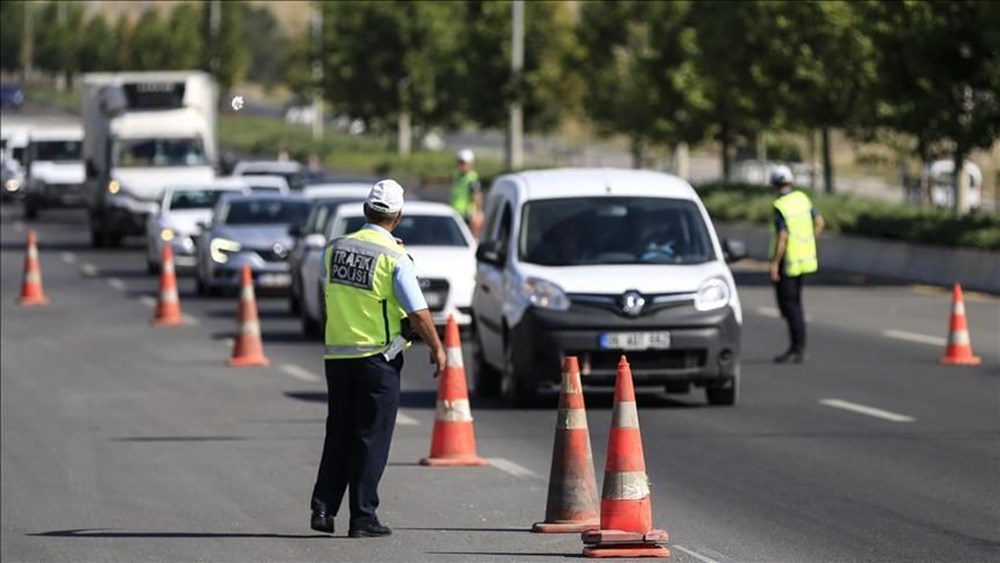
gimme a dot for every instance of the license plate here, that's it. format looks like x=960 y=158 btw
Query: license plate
x=635 y=340
x=434 y=299
x=274 y=280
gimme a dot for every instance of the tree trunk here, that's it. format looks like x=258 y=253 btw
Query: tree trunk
x=403 y=135
x=726 y=163
x=682 y=161
x=827 y=160
x=813 y=160
x=638 y=151
x=960 y=182
x=761 y=145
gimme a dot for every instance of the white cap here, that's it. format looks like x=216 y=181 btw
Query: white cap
x=386 y=196
x=781 y=175
x=466 y=155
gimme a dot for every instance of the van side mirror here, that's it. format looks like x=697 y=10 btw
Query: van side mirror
x=204 y=225
x=490 y=252
x=734 y=250
x=295 y=231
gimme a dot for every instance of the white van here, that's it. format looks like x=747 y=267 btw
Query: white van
x=600 y=263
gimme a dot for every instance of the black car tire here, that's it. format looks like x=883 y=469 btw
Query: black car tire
x=724 y=395
x=513 y=387
x=30 y=211
x=97 y=238
x=311 y=327
x=486 y=380
x=152 y=268
x=113 y=240
x=199 y=286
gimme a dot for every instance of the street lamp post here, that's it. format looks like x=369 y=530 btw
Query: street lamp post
x=515 y=148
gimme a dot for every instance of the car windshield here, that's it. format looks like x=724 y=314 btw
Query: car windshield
x=613 y=230
x=420 y=230
x=265 y=212
x=57 y=151
x=159 y=152
x=294 y=179
x=194 y=199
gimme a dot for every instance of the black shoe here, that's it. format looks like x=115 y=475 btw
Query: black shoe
x=371 y=529
x=320 y=520
x=793 y=356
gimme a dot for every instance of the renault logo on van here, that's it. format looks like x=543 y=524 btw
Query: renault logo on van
x=632 y=303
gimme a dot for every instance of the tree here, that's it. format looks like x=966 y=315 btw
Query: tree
x=146 y=49
x=938 y=76
x=56 y=38
x=97 y=46
x=185 y=44
x=225 y=53
x=267 y=46
x=385 y=62
x=11 y=35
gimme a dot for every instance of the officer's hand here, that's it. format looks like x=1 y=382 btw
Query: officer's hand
x=775 y=273
x=439 y=358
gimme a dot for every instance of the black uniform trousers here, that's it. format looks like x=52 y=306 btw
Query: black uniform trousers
x=363 y=397
x=788 y=290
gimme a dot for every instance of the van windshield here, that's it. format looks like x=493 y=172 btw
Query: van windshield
x=613 y=230
x=57 y=151
x=159 y=152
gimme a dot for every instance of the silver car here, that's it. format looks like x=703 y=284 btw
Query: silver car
x=251 y=230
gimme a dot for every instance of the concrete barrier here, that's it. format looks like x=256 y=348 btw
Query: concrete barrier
x=977 y=270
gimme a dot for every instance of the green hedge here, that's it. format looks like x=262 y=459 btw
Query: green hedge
x=860 y=216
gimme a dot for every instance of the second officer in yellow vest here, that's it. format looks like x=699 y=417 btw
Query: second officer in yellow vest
x=794 y=230
x=373 y=306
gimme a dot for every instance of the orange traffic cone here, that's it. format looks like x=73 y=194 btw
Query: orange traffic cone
x=626 y=513
x=248 y=348
x=453 y=442
x=959 y=350
x=572 y=502
x=168 y=306
x=31 y=288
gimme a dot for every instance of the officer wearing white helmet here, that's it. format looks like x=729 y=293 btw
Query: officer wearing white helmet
x=466 y=194
x=374 y=304
x=794 y=231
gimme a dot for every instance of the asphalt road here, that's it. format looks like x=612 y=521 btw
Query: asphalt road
x=124 y=442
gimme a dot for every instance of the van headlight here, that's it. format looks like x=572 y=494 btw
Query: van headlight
x=167 y=234
x=220 y=246
x=12 y=185
x=545 y=294
x=713 y=294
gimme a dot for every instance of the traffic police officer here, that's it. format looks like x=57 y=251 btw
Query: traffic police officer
x=466 y=195
x=372 y=300
x=794 y=230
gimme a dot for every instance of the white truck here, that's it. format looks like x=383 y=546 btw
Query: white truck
x=54 y=172
x=143 y=131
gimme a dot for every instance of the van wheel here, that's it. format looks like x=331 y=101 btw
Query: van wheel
x=30 y=212
x=726 y=394
x=486 y=380
x=96 y=238
x=309 y=325
x=512 y=387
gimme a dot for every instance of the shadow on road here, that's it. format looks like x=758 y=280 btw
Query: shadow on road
x=502 y=553
x=820 y=279
x=179 y=439
x=444 y=529
x=101 y=533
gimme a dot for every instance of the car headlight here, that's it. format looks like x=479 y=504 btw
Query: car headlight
x=167 y=234
x=713 y=294
x=545 y=294
x=114 y=186
x=220 y=246
x=12 y=185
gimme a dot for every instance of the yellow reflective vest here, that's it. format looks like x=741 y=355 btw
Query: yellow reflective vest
x=363 y=315
x=800 y=252
x=461 y=192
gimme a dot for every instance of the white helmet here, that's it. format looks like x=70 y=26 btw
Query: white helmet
x=466 y=155
x=781 y=175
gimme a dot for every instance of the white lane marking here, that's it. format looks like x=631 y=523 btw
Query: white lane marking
x=147 y=300
x=88 y=269
x=68 y=257
x=870 y=411
x=769 y=312
x=403 y=419
x=116 y=283
x=299 y=372
x=694 y=554
x=189 y=320
x=914 y=337
x=228 y=341
x=508 y=466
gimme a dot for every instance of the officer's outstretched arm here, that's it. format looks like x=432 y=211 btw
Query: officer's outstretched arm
x=422 y=322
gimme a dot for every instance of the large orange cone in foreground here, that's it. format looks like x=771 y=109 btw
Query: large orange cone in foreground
x=248 y=348
x=168 y=305
x=31 y=288
x=626 y=513
x=453 y=442
x=572 y=502
x=959 y=350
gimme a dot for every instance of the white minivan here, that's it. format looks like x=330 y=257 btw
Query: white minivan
x=600 y=263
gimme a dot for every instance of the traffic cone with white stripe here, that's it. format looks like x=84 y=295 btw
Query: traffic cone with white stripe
x=572 y=502
x=168 y=305
x=626 y=513
x=453 y=442
x=959 y=350
x=248 y=348
x=31 y=288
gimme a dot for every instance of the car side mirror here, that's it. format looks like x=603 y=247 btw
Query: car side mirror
x=295 y=231
x=734 y=250
x=204 y=225
x=490 y=252
x=315 y=241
